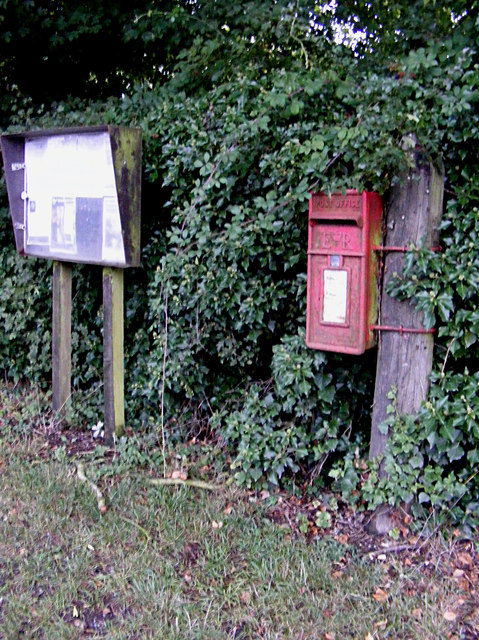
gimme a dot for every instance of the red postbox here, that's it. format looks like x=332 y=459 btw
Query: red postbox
x=342 y=288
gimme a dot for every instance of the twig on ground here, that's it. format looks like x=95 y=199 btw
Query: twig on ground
x=396 y=549
x=99 y=496
x=199 y=484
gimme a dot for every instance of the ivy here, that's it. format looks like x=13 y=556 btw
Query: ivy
x=301 y=418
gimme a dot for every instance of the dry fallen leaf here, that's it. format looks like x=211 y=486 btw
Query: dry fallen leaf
x=180 y=475
x=465 y=559
x=380 y=595
x=450 y=616
x=416 y=613
x=381 y=624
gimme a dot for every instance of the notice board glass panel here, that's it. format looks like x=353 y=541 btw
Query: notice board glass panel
x=70 y=199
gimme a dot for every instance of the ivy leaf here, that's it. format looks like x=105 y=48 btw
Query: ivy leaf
x=383 y=428
x=450 y=433
x=445 y=306
x=455 y=453
x=416 y=461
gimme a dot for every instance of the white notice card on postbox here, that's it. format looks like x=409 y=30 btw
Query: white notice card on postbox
x=335 y=295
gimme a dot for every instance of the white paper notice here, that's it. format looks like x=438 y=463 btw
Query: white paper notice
x=71 y=202
x=335 y=295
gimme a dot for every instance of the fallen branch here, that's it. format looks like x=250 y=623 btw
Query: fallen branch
x=199 y=484
x=99 y=496
x=395 y=549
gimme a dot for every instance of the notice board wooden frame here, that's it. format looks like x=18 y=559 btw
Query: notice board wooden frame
x=124 y=145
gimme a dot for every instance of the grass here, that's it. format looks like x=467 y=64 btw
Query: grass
x=182 y=563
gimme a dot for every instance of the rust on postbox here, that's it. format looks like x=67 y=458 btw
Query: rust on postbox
x=342 y=286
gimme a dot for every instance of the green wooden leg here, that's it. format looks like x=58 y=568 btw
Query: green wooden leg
x=113 y=365
x=61 y=337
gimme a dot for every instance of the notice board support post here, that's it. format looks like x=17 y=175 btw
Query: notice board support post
x=113 y=360
x=61 y=337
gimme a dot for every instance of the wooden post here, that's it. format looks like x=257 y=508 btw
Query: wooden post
x=61 y=337
x=405 y=359
x=113 y=365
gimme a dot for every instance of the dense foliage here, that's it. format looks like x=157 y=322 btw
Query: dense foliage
x=244 y=110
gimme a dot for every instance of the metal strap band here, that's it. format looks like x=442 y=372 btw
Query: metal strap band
x=401 y=249
x=400 y=329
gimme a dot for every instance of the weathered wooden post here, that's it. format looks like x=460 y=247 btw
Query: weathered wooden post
x=113 y=366
x=61 y=337
x=405 y=348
